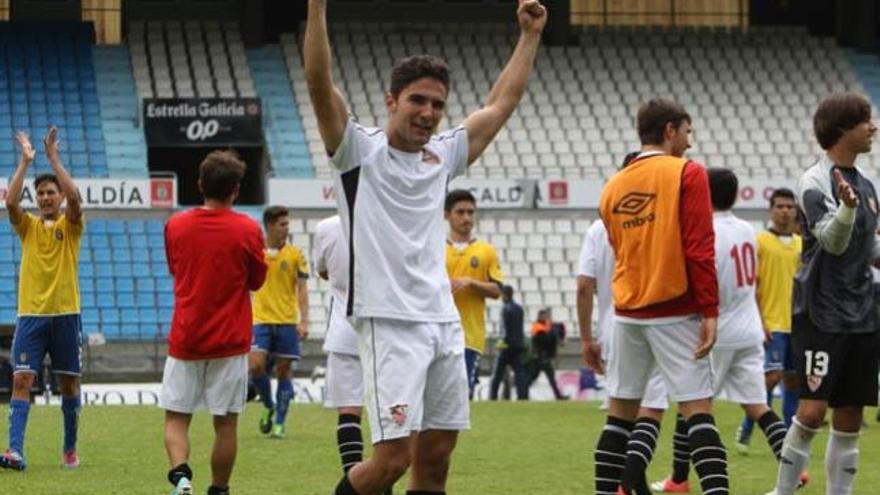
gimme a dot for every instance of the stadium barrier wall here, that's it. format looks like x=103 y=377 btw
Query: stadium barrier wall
x=111 y=194
x=544 y=194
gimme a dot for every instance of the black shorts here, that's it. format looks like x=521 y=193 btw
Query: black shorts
x=839 y=368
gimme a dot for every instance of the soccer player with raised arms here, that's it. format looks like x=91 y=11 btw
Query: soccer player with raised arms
x=48 y=297
x=281 y=319
x=474 y=274
x=391 y=186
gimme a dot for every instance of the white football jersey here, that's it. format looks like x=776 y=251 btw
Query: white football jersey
x=597 y=261
x=391 y=205
x=330 y=254
x=739 y=321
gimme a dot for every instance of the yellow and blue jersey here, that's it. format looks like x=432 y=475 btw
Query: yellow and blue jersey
x=479 y=261
x=48 y=277
x=277 y=301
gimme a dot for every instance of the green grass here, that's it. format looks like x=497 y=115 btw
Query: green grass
x=514 y=448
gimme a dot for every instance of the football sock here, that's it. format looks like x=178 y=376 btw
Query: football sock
x=681 y=451
x=610 y=455
x=794 y=458
x=639 y=451
x=264 y=388
x=283 y=396
x=774 y=429
x=841 y=462
x=70 y=409
x=708 y=454
x=350 y=440
x=181 y=471
x=18 y=416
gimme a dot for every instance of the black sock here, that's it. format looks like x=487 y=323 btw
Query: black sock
x=681 y=451
x=774 y=430
x=349 y=440
x=639 y=451
x=344 y=487
x=216 y=490
x=610 y=455
x=708 y=454
x=181 y=471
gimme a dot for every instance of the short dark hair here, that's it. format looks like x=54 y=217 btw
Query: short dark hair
x=273 y=213
x=47 y=178
x=410 y=69
x=507 y=291
x=653 y=117
x=782 y=192
x=220 y=172
x=837 y=114
x=723 y=187
x=457 y=195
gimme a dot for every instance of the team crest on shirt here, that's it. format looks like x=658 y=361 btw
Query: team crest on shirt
x=22 y=357
x=59 y=235
x=398 y=414
x=429 y=158
x=475 y=262
x=283 y=266
x=814 y=382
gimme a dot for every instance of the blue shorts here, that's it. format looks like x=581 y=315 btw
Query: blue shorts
x=278 y=340
x=778 y=354
x=60 y=336
x=472 y=364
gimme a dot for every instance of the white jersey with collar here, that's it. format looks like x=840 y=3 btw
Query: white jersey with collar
x=391 y=205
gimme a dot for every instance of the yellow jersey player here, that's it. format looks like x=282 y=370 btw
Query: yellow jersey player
x=48 y=297
x=281 y=319
x=474 y=274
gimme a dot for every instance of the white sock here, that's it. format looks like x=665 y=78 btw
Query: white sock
x=841 y=462
x=794 y=457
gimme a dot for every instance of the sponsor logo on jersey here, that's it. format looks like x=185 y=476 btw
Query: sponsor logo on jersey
x=475 y=262
x=633 y=204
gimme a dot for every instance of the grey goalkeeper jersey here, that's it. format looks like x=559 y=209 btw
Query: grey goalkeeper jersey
x=834 y=286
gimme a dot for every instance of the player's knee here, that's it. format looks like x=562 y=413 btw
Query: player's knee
x=256 y=369
x=811 y=417
x=394 y=467
x=22 y=382
x=772 y=378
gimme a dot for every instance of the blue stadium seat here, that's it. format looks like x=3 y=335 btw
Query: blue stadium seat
x=129 y=331
x=123 y=255
x=104 y=270
x=106 y=300
x=156 y=227
x=156 y=241
x=141 y=269
x=145 y=300
x=8 y=316
x=104 y=285
x=165 y=299
x=8 y=300
x=160 y=269
x=99 y=240
x=125 y=299
x=148 y=315
x=110 y=315
x=90 y=317
x=124 y=284
x=86 y=269
x=164 y=285
x=86 y=299
x=101 y=255
x=122 y=268
x=145 y=285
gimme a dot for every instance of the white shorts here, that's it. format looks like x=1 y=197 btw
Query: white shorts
x=739 y=374
x=414 y=376
x=218 y=385
x=637 y=349
x=344 y=381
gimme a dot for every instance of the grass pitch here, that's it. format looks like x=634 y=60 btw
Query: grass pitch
x=519 y=448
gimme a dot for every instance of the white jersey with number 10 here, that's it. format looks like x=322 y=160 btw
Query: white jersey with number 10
x=739 y=322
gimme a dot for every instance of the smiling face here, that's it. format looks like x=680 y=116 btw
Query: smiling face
x=49 y=199
x=415 y=113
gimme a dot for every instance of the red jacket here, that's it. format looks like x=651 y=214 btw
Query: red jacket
x=216 y=258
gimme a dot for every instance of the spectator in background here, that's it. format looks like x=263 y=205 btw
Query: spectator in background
x=545 y=340
x=512 y=347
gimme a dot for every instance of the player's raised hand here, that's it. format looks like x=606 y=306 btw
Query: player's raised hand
x=845 y=191
x=50 y=142
x=708 y=332
x=532 y=16
x=592 y=352
x=27 y=150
